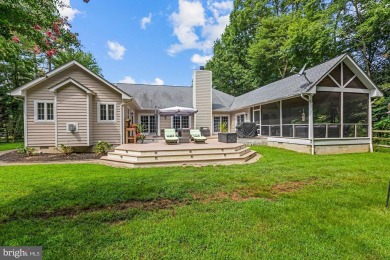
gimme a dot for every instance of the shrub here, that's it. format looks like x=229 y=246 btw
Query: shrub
x=27 y=151
x=66 y=149
x=102 y=147
x=224 y=127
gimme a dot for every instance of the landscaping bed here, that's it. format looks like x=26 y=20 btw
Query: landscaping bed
x=15 y=157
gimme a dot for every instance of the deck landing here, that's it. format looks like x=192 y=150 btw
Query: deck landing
x=161 y=154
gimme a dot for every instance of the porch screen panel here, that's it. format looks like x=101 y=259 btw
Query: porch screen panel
x=355 y=115
x=326 y=111
x=256 y=117
x=270 y=119
x=295 y=118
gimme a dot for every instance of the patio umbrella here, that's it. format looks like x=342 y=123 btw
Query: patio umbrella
x=177 y=111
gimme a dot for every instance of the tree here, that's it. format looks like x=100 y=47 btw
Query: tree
x=31 y=34
x=84 y=58
x=266 y=39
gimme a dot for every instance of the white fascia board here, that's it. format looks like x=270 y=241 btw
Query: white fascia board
x=21 y=90
x=70 y=80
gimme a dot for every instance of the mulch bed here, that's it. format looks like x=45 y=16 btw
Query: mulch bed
x=15 y=157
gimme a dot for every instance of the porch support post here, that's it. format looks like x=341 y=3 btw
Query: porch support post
x=311 y=123
x=370 y=122
x=342 y=115
x=281 y=118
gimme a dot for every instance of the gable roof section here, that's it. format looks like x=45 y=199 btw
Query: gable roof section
x=296 y=85
x=221 y=101
x=21 y=90
x=74 y=82
x=149 y=96
x=287 y=87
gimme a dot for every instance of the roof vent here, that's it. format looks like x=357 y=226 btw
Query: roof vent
x=201 y=67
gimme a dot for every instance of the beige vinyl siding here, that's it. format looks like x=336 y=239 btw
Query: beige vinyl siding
x=165 y=122
x=233 y=117
x=43 y=134
x=39 y=133
x=71 y=108
x=202 y=98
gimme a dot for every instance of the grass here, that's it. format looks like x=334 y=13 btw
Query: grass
x=287 y=205
x=10 y=146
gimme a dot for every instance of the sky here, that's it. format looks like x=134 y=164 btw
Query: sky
x=157 y=42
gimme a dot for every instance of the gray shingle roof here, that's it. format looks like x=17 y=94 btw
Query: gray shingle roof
x=287 y=87
x=148 y=96
x=221 y=100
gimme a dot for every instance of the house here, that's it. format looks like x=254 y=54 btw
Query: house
x=326 y=110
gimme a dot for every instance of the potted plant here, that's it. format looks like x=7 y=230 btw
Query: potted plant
x=140 y=133
x=224 y=136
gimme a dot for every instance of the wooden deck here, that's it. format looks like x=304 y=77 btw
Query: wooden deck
x=158 y=153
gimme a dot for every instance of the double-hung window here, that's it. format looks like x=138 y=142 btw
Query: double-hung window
x=106 y=112
x=43 y=111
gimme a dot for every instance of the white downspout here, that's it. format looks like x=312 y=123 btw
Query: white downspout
x=370 y=122
x=311 y=124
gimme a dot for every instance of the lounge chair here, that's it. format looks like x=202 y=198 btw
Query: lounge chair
x=197 y=136
x=170 y=136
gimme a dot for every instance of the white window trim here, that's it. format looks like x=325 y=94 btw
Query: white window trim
x=239 y=114
x=45 y=111
x=189 y=121
x=98 y=112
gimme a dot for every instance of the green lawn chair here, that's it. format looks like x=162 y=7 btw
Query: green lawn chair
x=170 y=136
x=197 y=136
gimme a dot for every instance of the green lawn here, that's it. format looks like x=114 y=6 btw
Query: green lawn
x=10 y=146
x=287 y=205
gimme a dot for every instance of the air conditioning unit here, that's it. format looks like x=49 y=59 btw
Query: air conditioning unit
x=71 y=127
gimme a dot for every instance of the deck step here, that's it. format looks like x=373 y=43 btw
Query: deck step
x=160 y=154
x=136 y=164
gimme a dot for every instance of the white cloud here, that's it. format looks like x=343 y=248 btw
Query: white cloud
x=197 y=27
x=158 y=81
x=67 y=10
x=189 y=16
x=145 y=21
x=127 y=79
x=116 y=51
x=200 y=60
